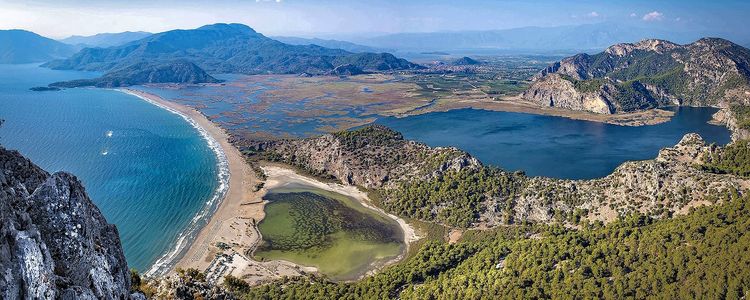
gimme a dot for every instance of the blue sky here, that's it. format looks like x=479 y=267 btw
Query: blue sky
x=330 y=18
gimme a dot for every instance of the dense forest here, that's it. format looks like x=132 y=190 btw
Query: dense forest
x=459 y=194
x=701 y=254
x=732 y=159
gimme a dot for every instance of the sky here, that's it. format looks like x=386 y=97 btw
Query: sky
x=330 y=18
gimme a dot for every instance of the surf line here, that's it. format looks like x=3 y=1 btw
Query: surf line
x=167 y=261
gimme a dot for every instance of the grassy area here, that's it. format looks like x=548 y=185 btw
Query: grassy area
x=328 y=231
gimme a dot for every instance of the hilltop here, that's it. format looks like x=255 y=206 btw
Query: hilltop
x=228 y=48
x=648 y=74
x=21 y=46
x=179 y=71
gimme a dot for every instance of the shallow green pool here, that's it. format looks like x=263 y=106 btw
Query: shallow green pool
x=326 y=230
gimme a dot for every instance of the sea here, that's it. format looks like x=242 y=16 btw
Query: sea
x=150 y=172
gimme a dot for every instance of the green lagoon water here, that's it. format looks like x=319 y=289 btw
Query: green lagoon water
x=149 y=171
x=326 y=230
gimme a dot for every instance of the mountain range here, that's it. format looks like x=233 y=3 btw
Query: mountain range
x=21 y=46
x=573 y=37
x=105 y=39
x=648 y=74
x=333 y=44
x=228 y=48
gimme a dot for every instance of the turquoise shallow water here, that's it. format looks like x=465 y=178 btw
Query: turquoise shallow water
x=148 y=170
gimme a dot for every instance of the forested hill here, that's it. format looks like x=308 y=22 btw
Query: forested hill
x=179 y=71
x=648 y=74
x=229 y=48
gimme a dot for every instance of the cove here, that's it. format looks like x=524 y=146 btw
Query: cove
x=326 y=230
x=553 y=146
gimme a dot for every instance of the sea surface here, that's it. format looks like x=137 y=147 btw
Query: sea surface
x=148 y=170
x=554 y=146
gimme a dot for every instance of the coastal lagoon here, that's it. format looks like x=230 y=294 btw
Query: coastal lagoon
x=552 y=146
x=326 y=230
x=148 y=170
x=539 y=145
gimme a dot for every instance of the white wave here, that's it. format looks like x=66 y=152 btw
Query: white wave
x=109 y=133
x=165 y=263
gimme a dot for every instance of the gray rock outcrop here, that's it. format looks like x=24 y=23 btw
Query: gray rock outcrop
x=54 y=242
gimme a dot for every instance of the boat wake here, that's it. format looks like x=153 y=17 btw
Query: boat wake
x=167 y=261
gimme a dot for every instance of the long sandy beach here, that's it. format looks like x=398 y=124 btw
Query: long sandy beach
x=231 y=231
x=239 y=208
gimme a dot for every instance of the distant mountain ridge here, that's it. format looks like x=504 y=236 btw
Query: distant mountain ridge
x=228 y=48
x=105 y=39
x=569 y=37
x=648 y=74
x=21 y=46
x=333 y=44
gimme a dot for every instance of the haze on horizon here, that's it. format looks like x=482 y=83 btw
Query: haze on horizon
x=328 y=18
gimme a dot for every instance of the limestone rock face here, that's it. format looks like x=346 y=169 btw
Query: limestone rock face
x=648 y=74
x=554 y=91
x=372 y=157
x=54 y=242
x=669 y=183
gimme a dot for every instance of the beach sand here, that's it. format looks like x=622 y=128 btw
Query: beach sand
x=225 y=244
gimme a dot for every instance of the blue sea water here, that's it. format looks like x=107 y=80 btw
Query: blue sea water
x=553 y=146
x=148 y=170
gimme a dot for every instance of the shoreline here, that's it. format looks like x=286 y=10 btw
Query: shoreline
x=225 y=242
x=346 y=190
x=516 y=105
x=235 y=178
x=280 y=176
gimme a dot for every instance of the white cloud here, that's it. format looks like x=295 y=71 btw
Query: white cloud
x=633 y=15
x=653 y=16
x=592 y=14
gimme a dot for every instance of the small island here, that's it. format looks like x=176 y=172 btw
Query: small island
x=45 y=89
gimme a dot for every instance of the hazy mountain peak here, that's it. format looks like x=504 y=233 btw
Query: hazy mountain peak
x=22 y=46
x=106 y=39
x=228 y=27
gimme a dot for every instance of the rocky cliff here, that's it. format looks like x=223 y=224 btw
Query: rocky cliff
x=669 y=184
x=372 y=157
x=54 y=242
x=648 y=74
